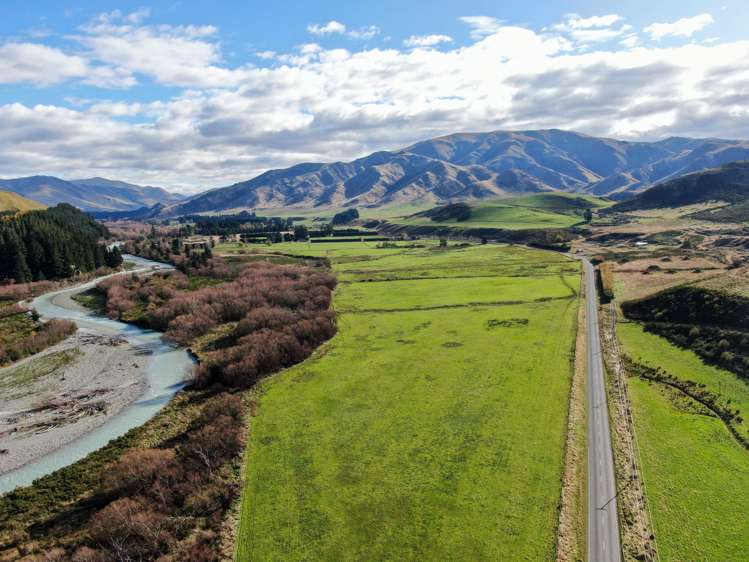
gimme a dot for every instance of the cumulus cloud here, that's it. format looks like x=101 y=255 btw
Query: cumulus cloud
x=594 y=29
x=38 y=64
x=685 y=27
x=427 y=40
x=326 y=29
x=367 y=32
x=481 y=26
x=630 y=41
x=184 y=55
x=334 y=27
x=320 y=104
x=575 y=21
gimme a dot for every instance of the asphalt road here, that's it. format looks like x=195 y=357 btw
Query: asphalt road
x=603 y=521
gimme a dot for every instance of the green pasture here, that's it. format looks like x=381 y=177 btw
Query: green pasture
x=542 y=210
x=432 y=427
x=696 y=474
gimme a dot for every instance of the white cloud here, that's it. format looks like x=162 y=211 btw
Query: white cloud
x=184 y=55
x=38 y=64
x=481 y=26
x=630 y=41
x=116 y=109
x=318 y=104
x=594 y=29
x=138 y=15
x=364 y=33
x=577 y=22
x=427 y=40
x=685 y=27
x=598 y=35
x=334 y=27
x=326 y=29
x=310 y=48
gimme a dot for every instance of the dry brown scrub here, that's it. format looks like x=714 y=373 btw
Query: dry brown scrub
x=638 y=540
x=268 y=318
x=571 y=531
x=639 y=278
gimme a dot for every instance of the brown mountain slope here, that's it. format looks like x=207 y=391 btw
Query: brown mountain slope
x=473 y=166
x=10 y=201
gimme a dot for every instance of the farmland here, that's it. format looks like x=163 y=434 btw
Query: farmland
x=545 y=210
x=541 y=210
x=433 y=425
x=696 y=473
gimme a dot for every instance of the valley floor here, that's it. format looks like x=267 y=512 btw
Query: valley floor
x=433 y=426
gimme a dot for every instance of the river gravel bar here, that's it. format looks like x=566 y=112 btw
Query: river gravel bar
x=54 y=397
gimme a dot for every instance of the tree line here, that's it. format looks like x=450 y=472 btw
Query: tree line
x=54 y=243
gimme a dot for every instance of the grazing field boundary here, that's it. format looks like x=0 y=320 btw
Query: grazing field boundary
x=638 y=537
x=477 y=304
x=693 y=391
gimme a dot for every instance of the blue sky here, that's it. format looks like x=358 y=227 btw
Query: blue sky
x=196 y=94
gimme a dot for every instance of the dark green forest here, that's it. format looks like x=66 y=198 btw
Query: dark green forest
x=55 y=243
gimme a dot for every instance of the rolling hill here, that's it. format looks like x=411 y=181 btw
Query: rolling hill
x=470 y=166
x=94 y=194
x=727 y=184
x=540 y=210
x=10 y=201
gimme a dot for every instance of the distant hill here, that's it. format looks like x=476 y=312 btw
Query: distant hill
x=728 y=183
x=94 y=194
x=10 y=201
x=141 y=213
x=471 y=166
x=537 y=211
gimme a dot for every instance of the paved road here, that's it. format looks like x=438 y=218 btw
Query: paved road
x=603 y=522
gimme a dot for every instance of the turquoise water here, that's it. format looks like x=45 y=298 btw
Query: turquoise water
x=165 y=375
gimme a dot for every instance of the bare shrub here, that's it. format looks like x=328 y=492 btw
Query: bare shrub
x=129 y=529
x=137 y=471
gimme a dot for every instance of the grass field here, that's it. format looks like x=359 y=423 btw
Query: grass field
x=542 y=210
x=696 y=474
x=432 y=427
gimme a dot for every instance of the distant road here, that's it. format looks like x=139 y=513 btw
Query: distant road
x=603 y=522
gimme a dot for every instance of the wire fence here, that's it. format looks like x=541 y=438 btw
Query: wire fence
x=632 y=445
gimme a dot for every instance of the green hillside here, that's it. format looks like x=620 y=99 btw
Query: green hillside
x=541 y=210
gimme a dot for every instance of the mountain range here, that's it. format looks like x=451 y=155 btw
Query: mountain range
x=457 y=167
x=91 y=195
x=468 y=166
